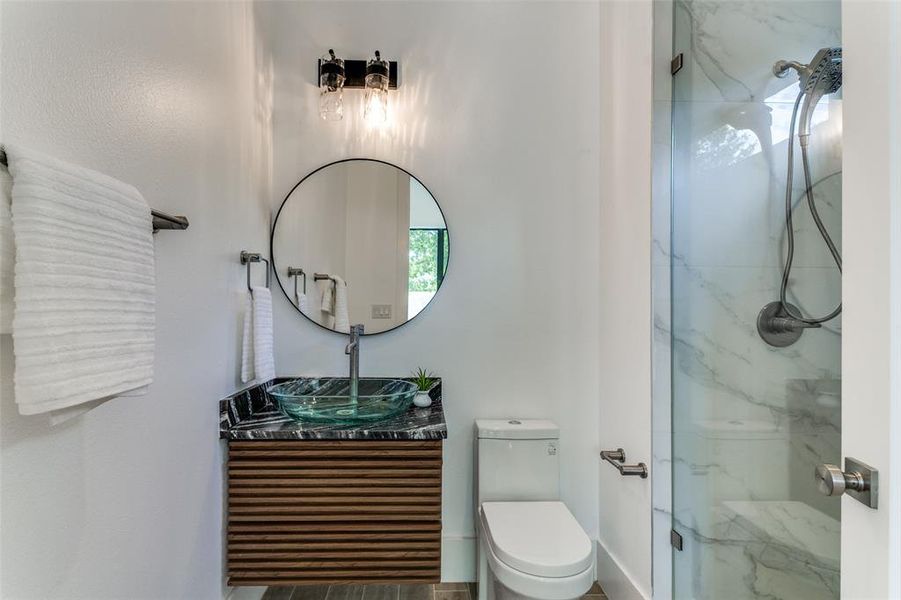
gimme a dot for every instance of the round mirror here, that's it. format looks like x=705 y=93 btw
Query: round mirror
x=360 y=241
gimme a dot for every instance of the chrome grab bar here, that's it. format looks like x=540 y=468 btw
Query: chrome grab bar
x=618 y=457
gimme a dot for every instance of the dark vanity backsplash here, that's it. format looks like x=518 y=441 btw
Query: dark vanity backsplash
x=252 y=414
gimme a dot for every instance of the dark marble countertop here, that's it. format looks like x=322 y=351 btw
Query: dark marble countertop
x=252 y=414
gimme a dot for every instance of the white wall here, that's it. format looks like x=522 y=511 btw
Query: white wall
x=377 y=255
x=871 y=346
x=311 y=235
x=497 y=114
x=126 y=501
x=624 y=558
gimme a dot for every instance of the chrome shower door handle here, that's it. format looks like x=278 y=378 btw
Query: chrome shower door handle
x=858 y=479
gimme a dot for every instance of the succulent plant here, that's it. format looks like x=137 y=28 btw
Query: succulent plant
x=423 y=379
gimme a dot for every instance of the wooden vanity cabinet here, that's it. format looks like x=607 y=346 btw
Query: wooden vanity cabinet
x=333 y=512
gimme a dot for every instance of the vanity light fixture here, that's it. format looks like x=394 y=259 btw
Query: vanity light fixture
x=331 y=86
x=375 y=76
x=375 y=102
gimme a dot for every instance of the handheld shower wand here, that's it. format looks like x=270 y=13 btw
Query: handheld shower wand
x=824 y=76
x=780 y=323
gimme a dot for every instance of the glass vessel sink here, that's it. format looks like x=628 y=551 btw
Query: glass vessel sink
x=328 y=399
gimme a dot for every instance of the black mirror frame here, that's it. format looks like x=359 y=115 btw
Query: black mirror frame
x=285 y=201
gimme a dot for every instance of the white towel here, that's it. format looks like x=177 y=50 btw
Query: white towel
x=83 y=325
x=7 y=253
x=257 y=346
x=263 y=357
x=247 y=373
x=342 y=321
x=301 y=300
x=326 y=296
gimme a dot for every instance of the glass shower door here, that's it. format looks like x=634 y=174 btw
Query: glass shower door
x=751 y=421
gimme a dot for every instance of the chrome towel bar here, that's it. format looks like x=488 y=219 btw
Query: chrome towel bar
x=618 y=457
x=161 y=220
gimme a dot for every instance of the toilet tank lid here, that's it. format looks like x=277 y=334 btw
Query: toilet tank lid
x=517 y=429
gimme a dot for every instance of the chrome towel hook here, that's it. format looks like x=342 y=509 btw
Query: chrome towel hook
x=294 y=272
x=252 y=257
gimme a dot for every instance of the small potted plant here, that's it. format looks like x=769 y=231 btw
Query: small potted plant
x=424 y=381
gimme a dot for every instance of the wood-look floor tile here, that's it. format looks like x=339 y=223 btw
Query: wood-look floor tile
x=451 y=587
x=455 y=595
x=381 y=592
x=345 y=592
x=417 y=591
x=278 y=593
x=310 y=592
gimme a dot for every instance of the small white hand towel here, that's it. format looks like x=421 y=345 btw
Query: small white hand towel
x=327 y=296
x=263 y=356
x=83 y=325
x=301 y=300
x=7 y=253
x=247 y=373
x=342 y=321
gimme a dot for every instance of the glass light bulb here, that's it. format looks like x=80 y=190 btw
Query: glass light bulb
x=375 y=101
x=331 y=104
x=375 y=107
x=331 y=86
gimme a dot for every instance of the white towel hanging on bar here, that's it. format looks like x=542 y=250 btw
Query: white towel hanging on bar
x=84 y=320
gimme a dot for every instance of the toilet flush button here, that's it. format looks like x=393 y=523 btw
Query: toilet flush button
x=552 y=449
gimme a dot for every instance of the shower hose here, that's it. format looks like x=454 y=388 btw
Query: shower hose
x=790 y=254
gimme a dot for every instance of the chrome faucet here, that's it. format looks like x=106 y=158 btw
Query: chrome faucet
x=353 y=350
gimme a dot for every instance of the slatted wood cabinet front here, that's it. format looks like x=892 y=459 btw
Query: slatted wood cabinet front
x=334 y=511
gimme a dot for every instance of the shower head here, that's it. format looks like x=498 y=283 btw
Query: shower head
x=822 y=76
x=824 y=72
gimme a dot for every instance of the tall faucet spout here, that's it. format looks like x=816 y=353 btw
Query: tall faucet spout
x=353 y=350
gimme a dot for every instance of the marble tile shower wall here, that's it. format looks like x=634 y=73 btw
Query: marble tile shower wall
x=750 y=421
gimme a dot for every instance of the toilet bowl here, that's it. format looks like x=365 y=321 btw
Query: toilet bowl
x=534 y=550
x=530 y=545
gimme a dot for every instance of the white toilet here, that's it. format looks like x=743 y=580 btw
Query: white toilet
x=530 y=545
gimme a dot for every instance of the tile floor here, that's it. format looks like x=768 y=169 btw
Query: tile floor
x=439 y=591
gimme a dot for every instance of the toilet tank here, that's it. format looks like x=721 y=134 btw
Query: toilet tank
x=516 y=460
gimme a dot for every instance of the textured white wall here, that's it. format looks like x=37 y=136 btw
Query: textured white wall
x=624 y=566
x=497 y=114
x=871 y=286
x=126 y=501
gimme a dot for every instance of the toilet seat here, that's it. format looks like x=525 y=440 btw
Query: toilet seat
x=523 y=542
x=536 y=538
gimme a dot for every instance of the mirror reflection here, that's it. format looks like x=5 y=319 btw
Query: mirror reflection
x=360 y=241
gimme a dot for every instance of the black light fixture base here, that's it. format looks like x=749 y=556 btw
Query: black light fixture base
x=355 y=73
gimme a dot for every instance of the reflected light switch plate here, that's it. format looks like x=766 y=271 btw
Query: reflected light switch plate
x=381 y=311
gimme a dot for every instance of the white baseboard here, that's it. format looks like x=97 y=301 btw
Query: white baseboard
x=245 y=593
x=458 y=558
x=615 y=582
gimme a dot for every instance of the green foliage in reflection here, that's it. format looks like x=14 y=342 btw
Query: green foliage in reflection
x=424 y=259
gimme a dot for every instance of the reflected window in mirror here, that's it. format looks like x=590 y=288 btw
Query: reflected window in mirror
x=428 y=263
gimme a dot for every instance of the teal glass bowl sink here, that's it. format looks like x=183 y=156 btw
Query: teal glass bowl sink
x=328 y=399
